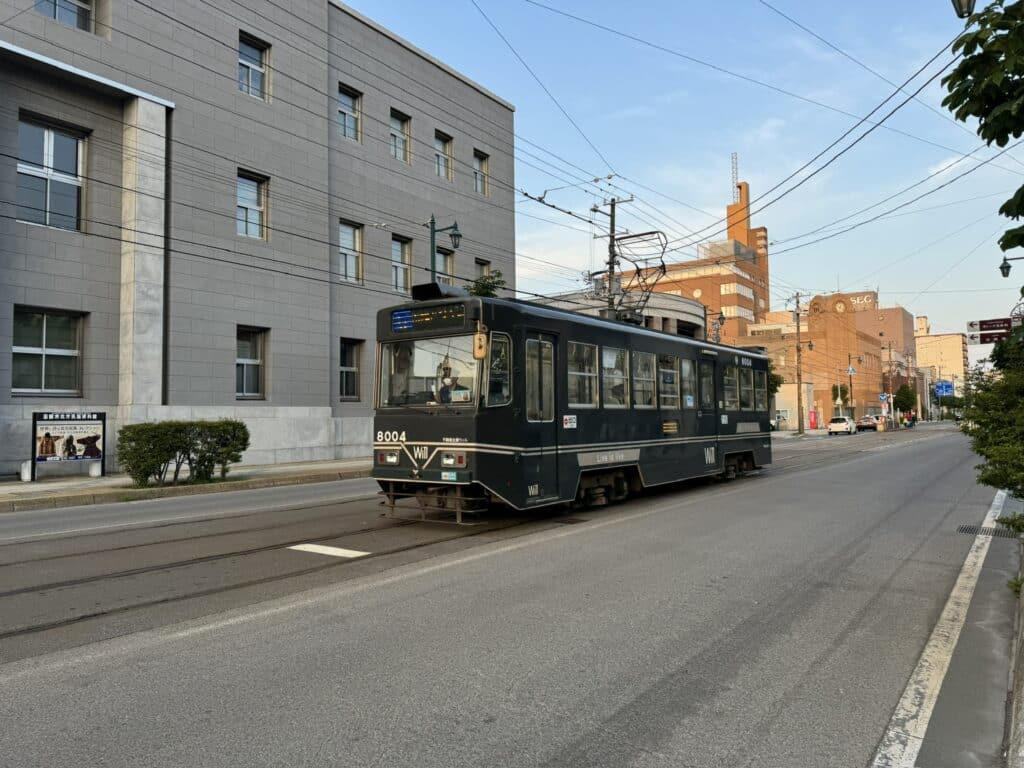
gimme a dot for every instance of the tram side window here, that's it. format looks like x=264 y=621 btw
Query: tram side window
x=731 y=387
x=540 y=381
x=615 y=377
x=707 y=385
x=668 y=381
x=746 y=389
x=499 y=380
x=689 y=382
x=582 y=366
x=643 y=379
x=760 y=390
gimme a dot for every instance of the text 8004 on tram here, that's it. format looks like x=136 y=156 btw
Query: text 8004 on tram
x=484 y=400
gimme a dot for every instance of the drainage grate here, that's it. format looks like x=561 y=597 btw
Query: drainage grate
x=974 y=530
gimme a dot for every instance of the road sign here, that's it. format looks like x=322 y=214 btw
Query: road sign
x=851 y=371
x=943 y=388
x=991 y=337
x=883 y=397
x=994 y=324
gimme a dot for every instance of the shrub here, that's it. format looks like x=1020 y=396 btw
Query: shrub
x=147 y=451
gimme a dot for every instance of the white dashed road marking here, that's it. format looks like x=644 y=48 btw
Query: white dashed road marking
x=905 y=734
x=320 y=549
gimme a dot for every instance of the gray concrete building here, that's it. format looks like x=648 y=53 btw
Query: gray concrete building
x=203 y=205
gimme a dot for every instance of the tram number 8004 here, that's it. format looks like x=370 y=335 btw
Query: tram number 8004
x=384 y=436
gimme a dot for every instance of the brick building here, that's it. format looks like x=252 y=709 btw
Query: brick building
x=730 y=277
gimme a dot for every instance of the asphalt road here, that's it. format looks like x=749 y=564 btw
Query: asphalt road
x=772 y=621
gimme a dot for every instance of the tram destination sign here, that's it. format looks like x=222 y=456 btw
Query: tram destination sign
x=428 y=318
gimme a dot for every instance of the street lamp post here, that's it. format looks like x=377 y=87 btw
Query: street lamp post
x=1004 y=268
x=454 y=234
x=716 y=326
x=963 y=8
x=849 y=372
x=799 y=371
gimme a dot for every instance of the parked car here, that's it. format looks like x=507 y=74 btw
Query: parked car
x=842 y=425
x=867 y=422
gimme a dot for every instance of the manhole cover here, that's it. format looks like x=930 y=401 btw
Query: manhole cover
x=974 y=530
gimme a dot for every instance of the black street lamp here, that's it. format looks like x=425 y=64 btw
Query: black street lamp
x=1004 y=268
x=963 y=8
x=455 y=236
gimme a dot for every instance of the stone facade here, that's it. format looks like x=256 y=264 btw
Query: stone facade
x=161 y=286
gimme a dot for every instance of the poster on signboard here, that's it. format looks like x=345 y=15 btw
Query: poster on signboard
x=72 y=436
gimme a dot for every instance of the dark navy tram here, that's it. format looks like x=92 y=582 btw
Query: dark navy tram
x=484 y=400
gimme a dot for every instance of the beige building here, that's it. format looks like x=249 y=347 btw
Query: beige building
x=946 y=353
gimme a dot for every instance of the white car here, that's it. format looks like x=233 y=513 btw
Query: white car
x=842 y=425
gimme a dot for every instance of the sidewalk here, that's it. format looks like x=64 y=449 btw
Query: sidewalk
x=16 y=495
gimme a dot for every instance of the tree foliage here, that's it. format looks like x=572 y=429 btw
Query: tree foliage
x=775 y=380
x=988 y=84
x=905 y=398
x=486 y=285
x=995 y=416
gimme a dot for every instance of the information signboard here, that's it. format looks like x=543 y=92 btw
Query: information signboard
x=943 y=388
x=69 y=436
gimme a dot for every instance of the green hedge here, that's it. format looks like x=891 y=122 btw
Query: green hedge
x=148 y=452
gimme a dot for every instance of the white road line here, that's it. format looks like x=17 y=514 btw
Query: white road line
x=905 y=734
x=320 y=549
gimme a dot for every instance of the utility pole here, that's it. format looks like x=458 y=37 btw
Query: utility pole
x=799 y=372
x=613 y=258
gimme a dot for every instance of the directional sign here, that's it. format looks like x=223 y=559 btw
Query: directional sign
x=987 y=338
x=943 y=388
x=883 y=397
x=994 y=324
x=851 y=371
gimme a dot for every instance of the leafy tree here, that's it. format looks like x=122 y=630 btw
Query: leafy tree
x=988 y=84
x=950 y=401
x=486 y=285
x=775 y=380
x=995 y=416
x=905 y=399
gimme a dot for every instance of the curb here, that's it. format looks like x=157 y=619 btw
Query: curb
x=117 y=495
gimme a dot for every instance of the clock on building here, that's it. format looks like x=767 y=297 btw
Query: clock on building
x=840 y=306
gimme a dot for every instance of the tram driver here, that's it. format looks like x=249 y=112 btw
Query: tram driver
x=451 y=390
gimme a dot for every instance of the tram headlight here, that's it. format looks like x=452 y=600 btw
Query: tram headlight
x=387 y=457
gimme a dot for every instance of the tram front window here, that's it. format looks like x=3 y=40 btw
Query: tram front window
x=429 y=372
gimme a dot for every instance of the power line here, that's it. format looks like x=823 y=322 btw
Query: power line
x=543 y=87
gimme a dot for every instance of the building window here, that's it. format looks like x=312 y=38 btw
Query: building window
x=736 y=289
x=49 y=176
x=668 y=381
x=348 y=368
x=483 y=268
x=445 y=263
x=74 y=13
x=46 y=352
x=249 y=363
x=251 y=205
x=350 y=252
x=735 y=311
x=401 y=264
x=252 y=66
x=582 y=365
x=643 y=380
x=615 y=377
x=481 y=173
x=400 y=136
x=443 y=155
x=349 y=102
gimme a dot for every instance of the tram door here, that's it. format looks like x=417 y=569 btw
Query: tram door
x=541 y=430
x=707 y=413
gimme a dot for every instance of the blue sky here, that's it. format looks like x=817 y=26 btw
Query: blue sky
x=667 y=127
